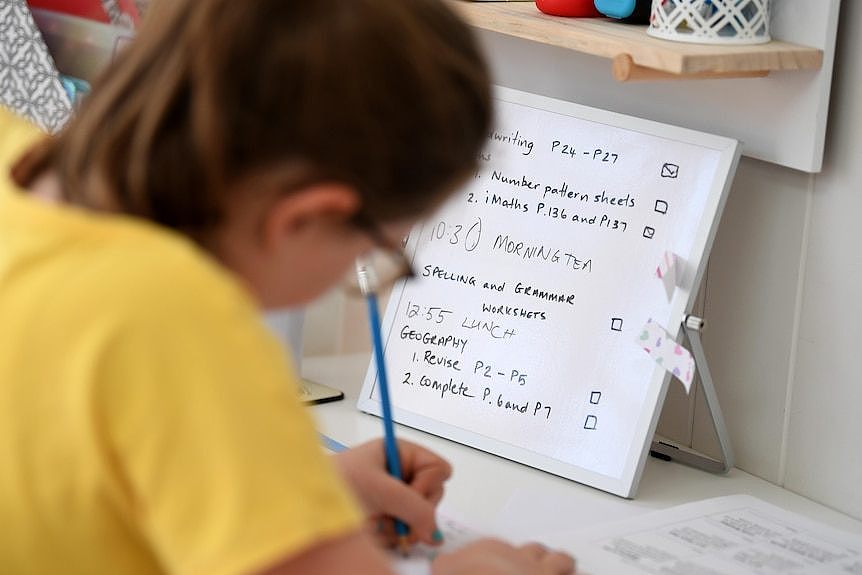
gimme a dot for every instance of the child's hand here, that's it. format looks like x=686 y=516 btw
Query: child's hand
x=412 y=500
x=494 y=557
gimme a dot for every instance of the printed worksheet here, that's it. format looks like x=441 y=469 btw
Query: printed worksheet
x=738 y=535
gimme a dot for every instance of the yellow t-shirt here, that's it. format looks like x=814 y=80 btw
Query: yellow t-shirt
x=148 y=422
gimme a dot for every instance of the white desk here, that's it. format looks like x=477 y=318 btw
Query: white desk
x=482 y=488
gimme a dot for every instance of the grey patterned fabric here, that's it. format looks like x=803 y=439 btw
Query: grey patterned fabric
x=29 y=81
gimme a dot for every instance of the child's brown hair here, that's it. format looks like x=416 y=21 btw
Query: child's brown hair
x=391 y=97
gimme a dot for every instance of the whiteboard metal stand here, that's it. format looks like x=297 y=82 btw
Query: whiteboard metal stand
x=692 y=326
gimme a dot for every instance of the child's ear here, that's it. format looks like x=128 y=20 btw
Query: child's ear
x=315 y=205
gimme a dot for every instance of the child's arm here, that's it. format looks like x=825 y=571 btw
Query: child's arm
x=211 y=455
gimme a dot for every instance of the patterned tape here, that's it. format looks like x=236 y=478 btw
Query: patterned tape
x=666 y=271
x=667 y=353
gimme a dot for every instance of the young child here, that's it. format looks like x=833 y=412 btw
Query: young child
x=239 y=155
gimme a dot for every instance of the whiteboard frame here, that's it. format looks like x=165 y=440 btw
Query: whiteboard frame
x=625 y=485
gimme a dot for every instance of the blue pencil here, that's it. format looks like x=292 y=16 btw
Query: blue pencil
x=393 y=462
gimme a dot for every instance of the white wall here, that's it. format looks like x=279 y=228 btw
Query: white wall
x=824 y=437
x=783 y=298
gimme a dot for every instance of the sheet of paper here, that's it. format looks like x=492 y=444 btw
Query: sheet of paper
x=456 y=534
x=735 y=535
x=530 y=513
x=667 y=353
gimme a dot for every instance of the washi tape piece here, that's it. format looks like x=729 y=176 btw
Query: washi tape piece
x=667 y=272
x=661 y=347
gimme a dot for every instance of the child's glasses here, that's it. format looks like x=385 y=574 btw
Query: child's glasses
x=385 y=266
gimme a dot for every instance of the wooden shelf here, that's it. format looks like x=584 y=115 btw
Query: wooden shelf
x=635 y=55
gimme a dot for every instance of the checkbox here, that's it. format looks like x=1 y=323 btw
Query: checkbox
x=595 y=397
x=616 y=324
x=649 y=232
x=591 y=422
x=661 y=206
x=669 y=170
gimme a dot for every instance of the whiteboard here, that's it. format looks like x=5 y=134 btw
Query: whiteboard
x=534 y=281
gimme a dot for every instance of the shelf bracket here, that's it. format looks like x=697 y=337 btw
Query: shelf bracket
x=625 y=70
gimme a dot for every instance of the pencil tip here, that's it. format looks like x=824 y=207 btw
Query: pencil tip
x=403 y=546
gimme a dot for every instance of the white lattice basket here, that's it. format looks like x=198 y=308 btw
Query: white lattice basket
x=711 y=21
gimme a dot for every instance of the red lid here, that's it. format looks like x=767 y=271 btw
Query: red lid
x=577 y=8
